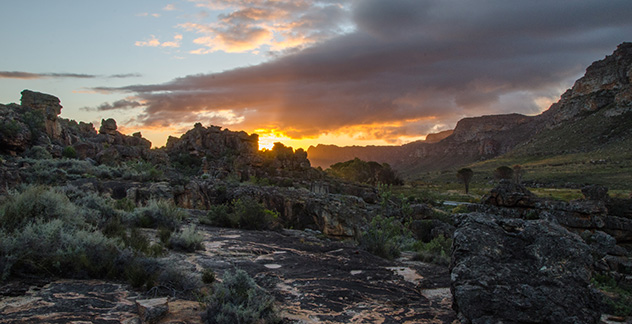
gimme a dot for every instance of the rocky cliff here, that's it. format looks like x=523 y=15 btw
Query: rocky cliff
x=602 y=97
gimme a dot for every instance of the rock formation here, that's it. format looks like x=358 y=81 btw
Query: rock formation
x=521 y=271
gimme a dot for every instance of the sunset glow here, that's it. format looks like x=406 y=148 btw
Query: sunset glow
x=303 y=73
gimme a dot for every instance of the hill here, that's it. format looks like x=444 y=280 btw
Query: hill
x=590 y=122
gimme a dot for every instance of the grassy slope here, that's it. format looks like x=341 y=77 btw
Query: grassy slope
x=594 y=149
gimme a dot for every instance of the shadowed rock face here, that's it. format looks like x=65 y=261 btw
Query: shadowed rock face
x=519 y=271
x=66 y=301
x=312 y=280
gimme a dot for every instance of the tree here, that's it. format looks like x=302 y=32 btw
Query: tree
x=503 y=172
x=465 y=175
x=518 y=172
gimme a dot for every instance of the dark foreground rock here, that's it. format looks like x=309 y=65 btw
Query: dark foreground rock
x=520 y=271
x=313 y=280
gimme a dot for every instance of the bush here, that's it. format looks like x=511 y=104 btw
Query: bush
x=188 y=239
x=436 y=251
x=384 y=237
x=158 y=213
x=218 y=215
x=238 y=299
x=208 y=276
x=38 y=204
x=38 y=153
x=69 y=152
x=250 y=214
x=51 y=247
x=618 y=299
x=176 y=281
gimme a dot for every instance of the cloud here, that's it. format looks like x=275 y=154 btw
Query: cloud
x=407 y=67
x=169 y=7
x=120 y=104
x=154 y=42
x=147 y=14
x=255 y=25
x=28 y=75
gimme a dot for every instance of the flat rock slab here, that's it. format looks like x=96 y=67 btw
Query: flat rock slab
x=313 y=280
x=152 y=310
x=66 y=301
x=322 y=281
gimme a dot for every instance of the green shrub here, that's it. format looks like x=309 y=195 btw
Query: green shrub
x=208 y=276
x=69 y=152
x=218 y=215
x=9 y=128
x=158 y=213
x=141 y=273
x=619 y=295
x=436 y=251
x=384 y=237
x=238 y=299
x=250 y=214
x=187 y=239
x=164 y=234
x=124 y=204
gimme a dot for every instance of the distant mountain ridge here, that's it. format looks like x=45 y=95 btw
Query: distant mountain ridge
x=604 y=92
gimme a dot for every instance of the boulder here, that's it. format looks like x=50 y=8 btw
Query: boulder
x=152 y=310
x=521 y=271
x=510 y=194
x=595 y=192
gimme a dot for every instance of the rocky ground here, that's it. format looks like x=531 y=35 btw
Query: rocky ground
x=313 y=279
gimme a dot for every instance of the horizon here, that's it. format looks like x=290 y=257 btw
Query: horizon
x=303 y=73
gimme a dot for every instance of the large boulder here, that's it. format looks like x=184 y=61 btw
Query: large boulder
x=510 y=194
x=521 y=271
x=48 y=105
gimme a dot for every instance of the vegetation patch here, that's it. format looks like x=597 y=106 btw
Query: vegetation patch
x=238 y=299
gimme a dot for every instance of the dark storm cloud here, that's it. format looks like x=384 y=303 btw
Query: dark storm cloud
x=408 y=61
x=28 y=75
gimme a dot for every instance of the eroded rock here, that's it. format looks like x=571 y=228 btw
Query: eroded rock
x=526 y=271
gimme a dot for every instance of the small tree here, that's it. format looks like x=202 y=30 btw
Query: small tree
x=518 y=172
x=503 y=172
x=465 y=175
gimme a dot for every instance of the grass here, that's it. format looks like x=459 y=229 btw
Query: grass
x=617 y=297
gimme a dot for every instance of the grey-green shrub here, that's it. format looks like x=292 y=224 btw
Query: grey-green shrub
x=187 y=239
x=238 y=299
x=39 y=204
x=158 y=213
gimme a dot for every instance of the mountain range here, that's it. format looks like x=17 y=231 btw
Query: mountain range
x=593 y=118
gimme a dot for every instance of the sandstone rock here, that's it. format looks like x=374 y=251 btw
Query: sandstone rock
x=152 y=310
x=48 y=105
x=519 y=271
x=108 y=126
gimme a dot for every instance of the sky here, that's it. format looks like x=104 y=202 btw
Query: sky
x=345 y=72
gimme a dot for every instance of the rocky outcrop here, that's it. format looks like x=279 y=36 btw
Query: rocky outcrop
x=521 y=271
x=591 y=213
x=49 y=106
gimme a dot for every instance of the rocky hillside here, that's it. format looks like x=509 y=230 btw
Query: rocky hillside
x=594 y=114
